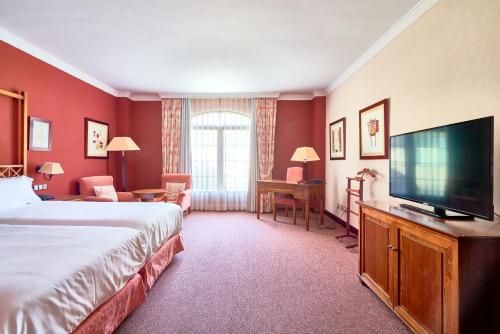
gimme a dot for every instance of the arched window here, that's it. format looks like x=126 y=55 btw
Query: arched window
x=220 y=152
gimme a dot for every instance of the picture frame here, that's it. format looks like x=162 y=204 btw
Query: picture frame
x=337 y=135
x=96 y=139
x=40 y=134
x=374 y=131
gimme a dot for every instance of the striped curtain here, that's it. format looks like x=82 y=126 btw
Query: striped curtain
x=265 y=109
x=171 y=135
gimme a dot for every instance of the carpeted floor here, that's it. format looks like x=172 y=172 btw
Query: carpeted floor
x=241 y=275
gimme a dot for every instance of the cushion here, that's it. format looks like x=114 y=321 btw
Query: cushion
x=106 y=192
x=173 y=190
x=17 y=190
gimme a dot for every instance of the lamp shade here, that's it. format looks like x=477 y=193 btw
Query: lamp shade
x=122 y=144
x=51 y=168
x=305 y=154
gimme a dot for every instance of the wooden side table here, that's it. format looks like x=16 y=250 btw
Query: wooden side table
x=150 y=195
x=71 y=198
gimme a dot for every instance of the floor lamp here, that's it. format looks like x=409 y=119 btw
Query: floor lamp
x=305 y=154
x=122 y=144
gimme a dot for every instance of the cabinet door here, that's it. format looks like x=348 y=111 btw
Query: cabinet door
x=422 y=280
x=375 y=255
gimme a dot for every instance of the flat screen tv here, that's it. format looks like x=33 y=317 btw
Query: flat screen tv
x=448 y=167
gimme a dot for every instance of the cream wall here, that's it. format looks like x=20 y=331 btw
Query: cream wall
x=443 y=69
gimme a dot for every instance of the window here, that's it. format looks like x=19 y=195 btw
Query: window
x=220 y=151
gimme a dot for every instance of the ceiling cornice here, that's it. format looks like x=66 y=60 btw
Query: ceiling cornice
x=410 y=17
x=36 y=52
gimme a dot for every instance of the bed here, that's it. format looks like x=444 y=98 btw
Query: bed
x=53 y=277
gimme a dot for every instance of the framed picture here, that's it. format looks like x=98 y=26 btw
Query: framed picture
x=40 y=134
x=337 y=140
x=96 y=139
x=374 y=131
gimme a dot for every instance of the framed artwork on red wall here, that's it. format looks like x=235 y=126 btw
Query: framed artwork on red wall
x=374 y=131
x=337 y=139
x=40 y=134
x=96 y=139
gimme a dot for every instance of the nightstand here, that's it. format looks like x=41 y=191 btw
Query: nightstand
x=71 y=198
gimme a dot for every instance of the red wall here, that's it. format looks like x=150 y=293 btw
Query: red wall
x=300 y=123
x=63 y=99
x=145 y=165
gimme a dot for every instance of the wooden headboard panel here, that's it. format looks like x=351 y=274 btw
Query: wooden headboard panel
x=19 y=167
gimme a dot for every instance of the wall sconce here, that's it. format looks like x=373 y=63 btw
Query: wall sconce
x=48 y=169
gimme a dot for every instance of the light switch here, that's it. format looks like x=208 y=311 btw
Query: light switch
x=44 y=186
x=35 y=187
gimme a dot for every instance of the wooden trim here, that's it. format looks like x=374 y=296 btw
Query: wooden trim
x=22 y=139
x=343 y=120
x=342 y=222
x=30 y=137
x=385 y=103
x=86 y=120
x=11 y=94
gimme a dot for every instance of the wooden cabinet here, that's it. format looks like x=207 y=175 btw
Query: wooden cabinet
x=425 y=268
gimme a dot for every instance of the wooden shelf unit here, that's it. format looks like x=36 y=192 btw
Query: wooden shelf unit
x=438 y=276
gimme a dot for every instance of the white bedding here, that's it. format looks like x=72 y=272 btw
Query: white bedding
x=53 y=277
x=157 y=221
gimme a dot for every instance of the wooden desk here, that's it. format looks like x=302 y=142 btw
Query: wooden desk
x=302 y=191
x=150 y=195
x=68 y=198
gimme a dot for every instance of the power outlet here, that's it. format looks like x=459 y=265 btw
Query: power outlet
x=44 y=186
x=36 y=187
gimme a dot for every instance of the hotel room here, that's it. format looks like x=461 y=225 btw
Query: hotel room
x=285 y=166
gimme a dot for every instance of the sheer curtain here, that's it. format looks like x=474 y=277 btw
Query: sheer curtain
x=185 y=140
x=220 y=153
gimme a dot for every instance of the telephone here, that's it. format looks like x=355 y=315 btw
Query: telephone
x=44 y=197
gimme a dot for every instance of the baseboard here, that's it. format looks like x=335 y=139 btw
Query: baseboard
x=342 y=222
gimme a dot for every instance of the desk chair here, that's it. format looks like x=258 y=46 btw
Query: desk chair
x=295 y=175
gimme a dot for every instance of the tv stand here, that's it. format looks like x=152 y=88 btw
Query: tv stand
x=438 y=212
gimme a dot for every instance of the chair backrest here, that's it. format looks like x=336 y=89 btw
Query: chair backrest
x=294 y=174
x=87 y=184
x=176 y=178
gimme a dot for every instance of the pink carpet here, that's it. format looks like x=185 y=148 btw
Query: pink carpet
x=241 y=275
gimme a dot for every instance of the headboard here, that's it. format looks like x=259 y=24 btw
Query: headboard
x=19 y=167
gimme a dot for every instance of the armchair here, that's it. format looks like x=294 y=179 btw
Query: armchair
x=87 y=189
x=184 y=197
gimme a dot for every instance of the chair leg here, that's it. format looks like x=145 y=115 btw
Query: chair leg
x=189 y=210
x=274 y=210
x=286 y=210
x=294 y=214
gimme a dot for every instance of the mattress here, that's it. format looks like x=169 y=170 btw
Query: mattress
x=158 y=221
x=53 y=277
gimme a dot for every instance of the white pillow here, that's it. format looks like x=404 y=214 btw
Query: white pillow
x=17 y=190
x=173 y=190
x=106 y=192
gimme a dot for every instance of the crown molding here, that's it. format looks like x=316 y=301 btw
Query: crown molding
x=38 y=53
x=401 y=25
x=145 y=97
x=216 y=95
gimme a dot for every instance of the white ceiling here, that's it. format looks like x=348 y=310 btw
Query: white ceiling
x=205 y=46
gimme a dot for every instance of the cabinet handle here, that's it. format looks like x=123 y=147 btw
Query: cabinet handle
x=394 y=248
x=390 y=246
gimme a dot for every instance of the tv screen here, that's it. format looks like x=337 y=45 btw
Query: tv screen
x=448 y=167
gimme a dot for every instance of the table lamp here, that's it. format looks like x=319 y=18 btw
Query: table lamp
x=122 y=144
x=49 y=168
x=305 y=154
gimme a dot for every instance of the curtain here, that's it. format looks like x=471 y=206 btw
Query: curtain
x=220 y=148
x=185 y=152
x=253 y=169
x=171 y=135
x=265 y=109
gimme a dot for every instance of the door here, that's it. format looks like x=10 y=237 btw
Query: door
x=420 y=279
x=375 y=261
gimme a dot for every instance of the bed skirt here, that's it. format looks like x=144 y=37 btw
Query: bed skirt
x=160 y=260
x=107 y=317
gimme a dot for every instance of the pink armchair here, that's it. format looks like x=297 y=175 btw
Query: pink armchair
x=87 y=188
x=293 y=175
x=184 y=197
